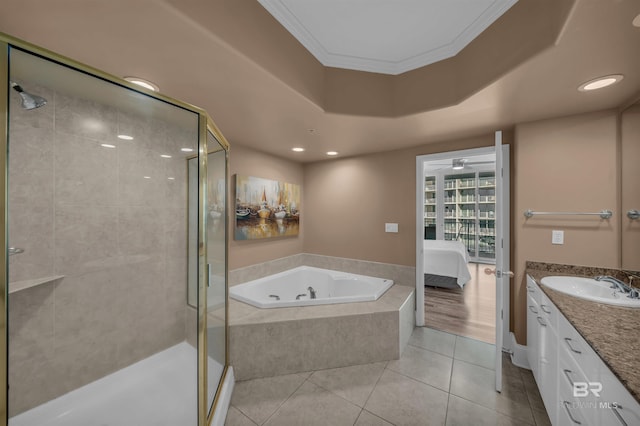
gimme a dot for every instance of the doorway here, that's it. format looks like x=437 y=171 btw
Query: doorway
x=453 y=213
x=459 y=243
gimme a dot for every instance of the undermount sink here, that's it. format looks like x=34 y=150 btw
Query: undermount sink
x=590 y=289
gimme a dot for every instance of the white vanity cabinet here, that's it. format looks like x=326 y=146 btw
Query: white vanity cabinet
x=542 y=345
x=533 y=310
x=576 y=386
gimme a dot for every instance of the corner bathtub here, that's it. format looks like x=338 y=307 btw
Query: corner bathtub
x=281 y=290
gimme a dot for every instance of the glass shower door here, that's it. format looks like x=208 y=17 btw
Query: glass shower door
x=216 y=208
x=97 y=230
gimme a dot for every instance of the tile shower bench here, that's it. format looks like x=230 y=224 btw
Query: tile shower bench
x=271 y=342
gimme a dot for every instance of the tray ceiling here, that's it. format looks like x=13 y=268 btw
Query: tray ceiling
x=387 y=37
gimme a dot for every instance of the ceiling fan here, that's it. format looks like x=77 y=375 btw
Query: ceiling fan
x=457 y=164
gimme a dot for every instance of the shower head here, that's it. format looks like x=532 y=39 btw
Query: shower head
x=29 y=101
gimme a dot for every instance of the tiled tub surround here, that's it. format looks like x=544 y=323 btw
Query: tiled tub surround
x=271 y=342
x=611 y=331
x=400 y=274
x=87 y=213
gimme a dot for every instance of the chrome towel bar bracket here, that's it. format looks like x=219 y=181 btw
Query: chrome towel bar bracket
x=604 y=214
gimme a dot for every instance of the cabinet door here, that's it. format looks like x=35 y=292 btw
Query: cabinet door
x=533 y=344
x=548 y=366
x=617 y=406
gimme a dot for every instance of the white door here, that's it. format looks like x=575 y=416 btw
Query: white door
x=502 y=272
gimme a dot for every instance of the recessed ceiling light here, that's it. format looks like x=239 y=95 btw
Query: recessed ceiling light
x=187 y=150
x=142 y=82
x=171 y=178
x=332 y=153
x=125 y=137
x=147 y=177
x=297 y=149
x=600 y=82
x=165 y=156
x=636 y=21
x=106 y=145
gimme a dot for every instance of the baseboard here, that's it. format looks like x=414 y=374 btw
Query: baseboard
x=224 y=400
x=519 y=354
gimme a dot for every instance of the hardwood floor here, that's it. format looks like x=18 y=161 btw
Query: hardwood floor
x=469 y=312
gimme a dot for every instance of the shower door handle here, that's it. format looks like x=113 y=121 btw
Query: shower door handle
x=208 y=275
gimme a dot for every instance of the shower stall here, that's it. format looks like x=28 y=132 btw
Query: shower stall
x=114 y=254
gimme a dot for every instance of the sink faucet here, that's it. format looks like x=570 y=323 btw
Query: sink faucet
x=619 y=285
x=312 y=292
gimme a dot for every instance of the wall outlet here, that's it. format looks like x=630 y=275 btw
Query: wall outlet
x=557 y=237
x=390 y=227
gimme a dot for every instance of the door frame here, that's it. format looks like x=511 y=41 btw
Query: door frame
x=419 y=231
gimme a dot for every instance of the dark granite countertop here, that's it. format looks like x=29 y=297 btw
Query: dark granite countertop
x=612 y=331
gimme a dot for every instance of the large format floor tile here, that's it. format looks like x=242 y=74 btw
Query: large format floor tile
x=440 y=379
x=423 y=365
x=404 y=401
x=354 y=383
x=258 y=399
x=312 y=405
x=466 y=413
x=433 y=340
x=475 y=352
x=476 y=384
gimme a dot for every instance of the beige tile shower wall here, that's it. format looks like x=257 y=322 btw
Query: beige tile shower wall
x=564 y=164
x=86 y=212
x=249 y=162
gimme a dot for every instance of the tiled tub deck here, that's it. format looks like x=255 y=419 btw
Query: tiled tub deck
x=271 y=342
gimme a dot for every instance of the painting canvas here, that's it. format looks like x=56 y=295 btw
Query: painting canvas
x=266 y=208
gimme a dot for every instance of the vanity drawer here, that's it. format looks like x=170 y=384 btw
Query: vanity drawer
x=571 y=412
x=548 y=311
x=578 y=349
x=533 y=290
x=620 y=407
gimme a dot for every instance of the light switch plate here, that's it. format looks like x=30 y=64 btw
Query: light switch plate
x=390 y=227
x=557 y=237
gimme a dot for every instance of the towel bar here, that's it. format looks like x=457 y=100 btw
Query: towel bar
x=604 y=214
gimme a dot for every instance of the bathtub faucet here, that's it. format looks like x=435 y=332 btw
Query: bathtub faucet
x=312 y=292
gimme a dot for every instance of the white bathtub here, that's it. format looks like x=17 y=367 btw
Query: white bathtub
x=291 y=288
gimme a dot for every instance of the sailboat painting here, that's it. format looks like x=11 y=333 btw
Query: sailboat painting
x=266 y=208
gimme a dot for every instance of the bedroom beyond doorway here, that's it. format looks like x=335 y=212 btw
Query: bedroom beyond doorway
x=468 y=311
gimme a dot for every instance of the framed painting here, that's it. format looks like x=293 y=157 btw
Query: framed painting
x=265 y=208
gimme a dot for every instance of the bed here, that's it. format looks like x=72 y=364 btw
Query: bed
x=445 y=264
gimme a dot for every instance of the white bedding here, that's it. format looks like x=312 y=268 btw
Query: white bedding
x=447 y=258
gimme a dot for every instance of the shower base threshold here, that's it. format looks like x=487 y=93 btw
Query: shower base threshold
x=160 y=390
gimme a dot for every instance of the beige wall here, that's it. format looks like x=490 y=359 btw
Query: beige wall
x=564 y=164
x=630 y=129
x=250 y=162
x=351 y=199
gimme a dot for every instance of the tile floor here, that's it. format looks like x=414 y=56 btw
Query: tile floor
x=441 y=379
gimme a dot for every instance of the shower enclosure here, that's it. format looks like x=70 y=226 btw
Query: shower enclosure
x=114 y=254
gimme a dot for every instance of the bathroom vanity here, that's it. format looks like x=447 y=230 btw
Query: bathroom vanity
x=584 y=356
